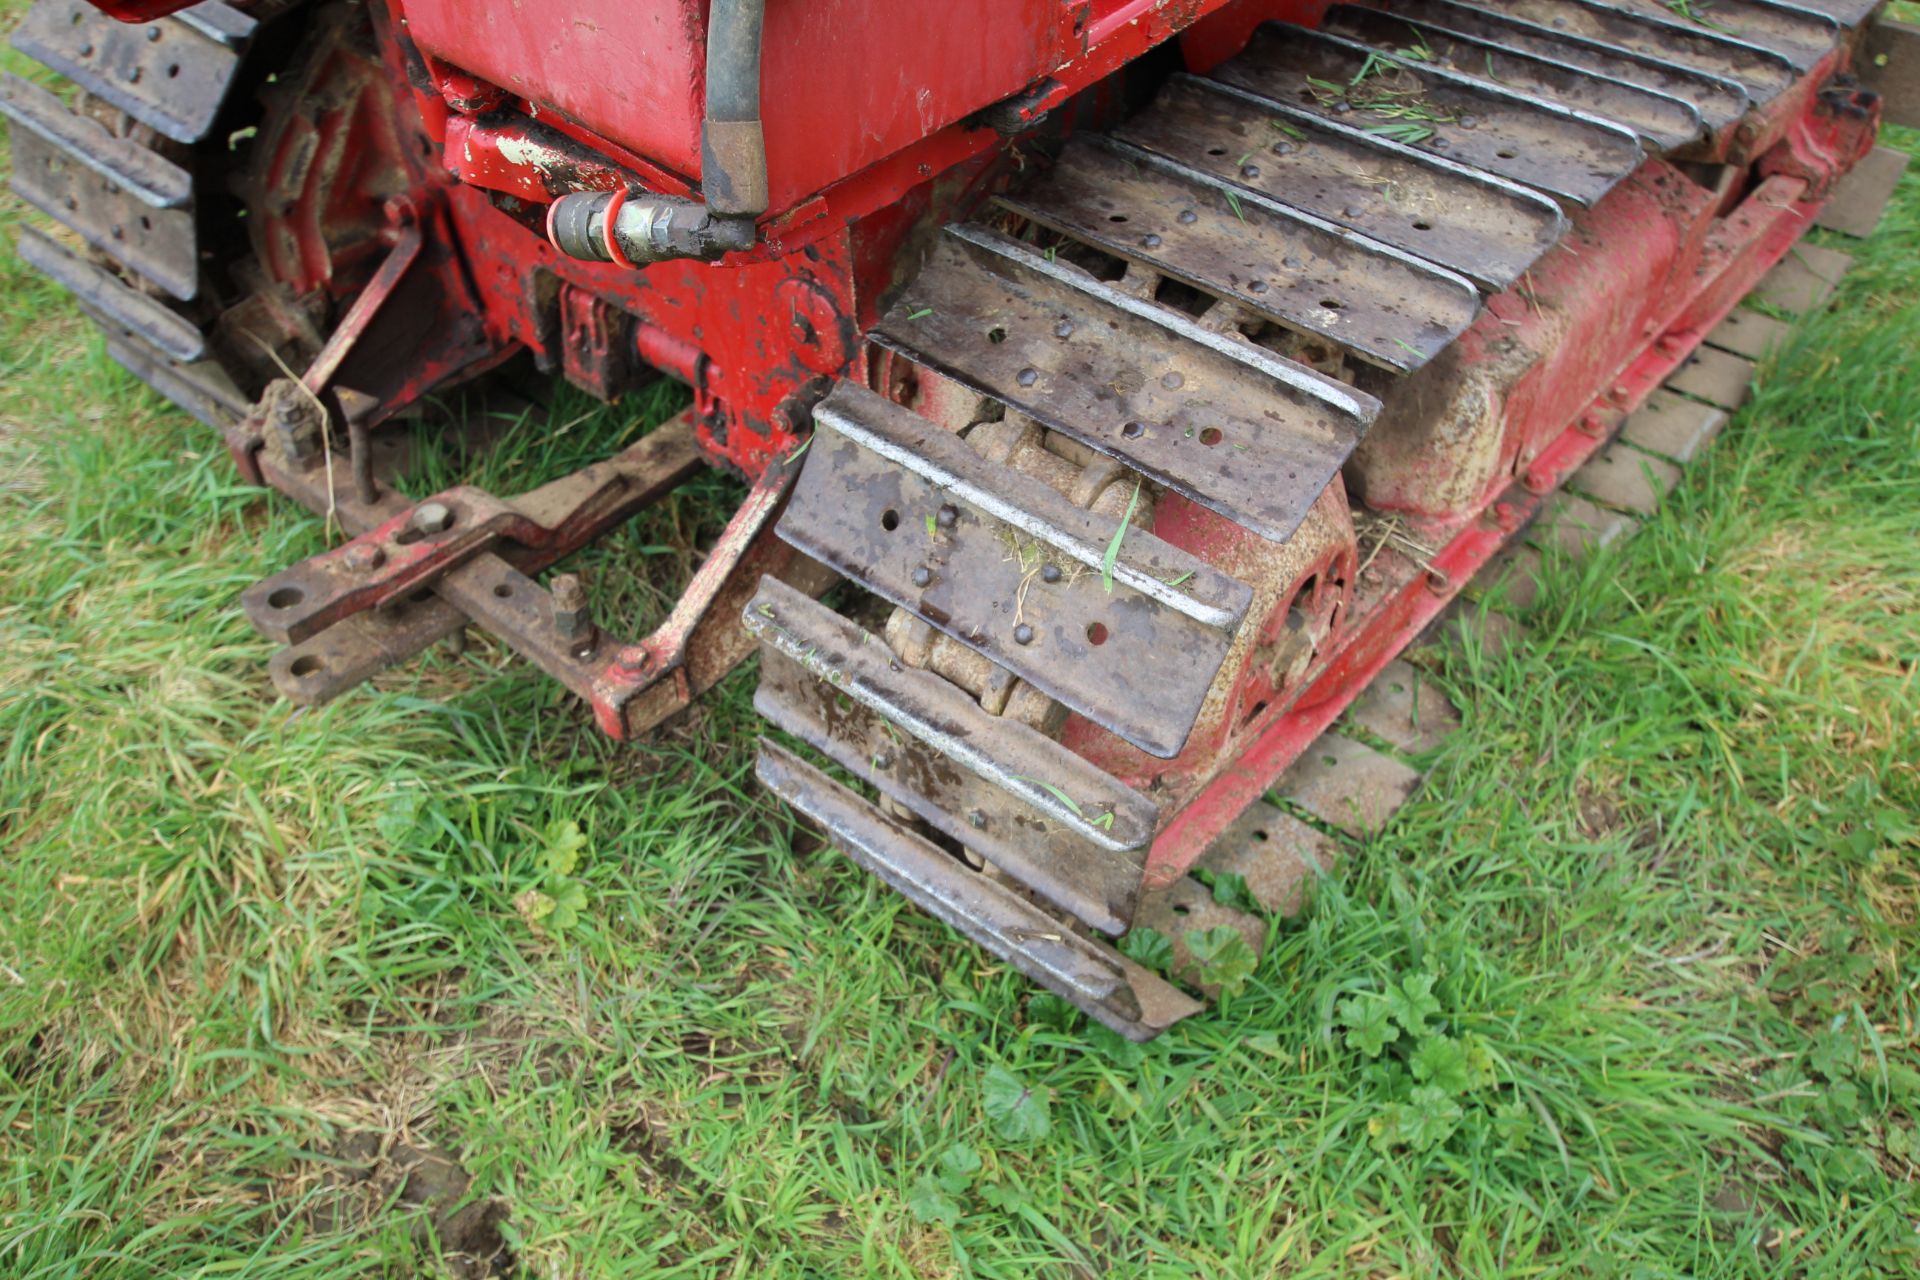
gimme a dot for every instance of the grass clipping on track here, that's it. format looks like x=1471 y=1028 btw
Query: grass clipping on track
x=1628 y=989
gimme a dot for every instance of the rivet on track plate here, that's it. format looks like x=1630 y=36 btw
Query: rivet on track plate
x=1537 y=481
x=1050 y=573
x=1064 y=329
x=1023 y=634
x=1283 y=148
x=1620 y=393
x=922 y=576
x=1589 y=424
x=1027 y=377
x=1437 y=582
x=948 y=516
x=883 y=760
x=1150 y=241
x=1173 y=380
x=1249 y=170
x=1187 y=217
x=153 y=34
x=976 y=819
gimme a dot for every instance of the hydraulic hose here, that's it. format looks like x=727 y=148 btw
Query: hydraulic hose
x=733 y=146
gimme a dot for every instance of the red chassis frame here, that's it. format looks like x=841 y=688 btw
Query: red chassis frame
x=480 y=150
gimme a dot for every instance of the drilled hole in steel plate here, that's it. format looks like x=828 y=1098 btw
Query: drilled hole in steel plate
x=997 y=334
x=1182 y=909
x=502 y=590
x=1216 y=151
x=305 y=665
x=1096 y=634
x=1397 y=687
x=1332 y=304
x=173 y=70
x=889 y=519
x=1423 y=226
x=1211 y=437
x=1507 y=153
x=1329 y=761
x=1262 y=836
x=1116 y=217
x=286 y=598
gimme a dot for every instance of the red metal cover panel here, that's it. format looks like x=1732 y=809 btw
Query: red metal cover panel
x=844 y=82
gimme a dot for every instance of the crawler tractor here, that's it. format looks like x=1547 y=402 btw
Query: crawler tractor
x=1078 y=351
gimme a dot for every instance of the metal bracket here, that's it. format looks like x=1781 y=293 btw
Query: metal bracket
x=426 y=542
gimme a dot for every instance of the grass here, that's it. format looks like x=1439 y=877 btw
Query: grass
x=1663 y=883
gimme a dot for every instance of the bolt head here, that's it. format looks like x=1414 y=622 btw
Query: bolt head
x=365 y=557
x=976 y=819
x=948 y=517
x=567 y=592
x=432 y=517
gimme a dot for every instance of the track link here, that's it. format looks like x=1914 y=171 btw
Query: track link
x=116 y=169
x=1189 y=323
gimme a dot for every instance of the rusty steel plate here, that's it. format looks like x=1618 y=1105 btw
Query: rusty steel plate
x=1761 y=72
x=1801 y=36
x=1386 y=306
x=1545 y=146
x=1486 y=228
x=204 y=389
x=1095 y=977
x=170 y=74
x=1007 y=566
x=121 y=198
x=143 y=174
x=1097 y=886
x=1720 y=99
x=1216 y=419
x=119 y=307
x=1848 y=13
x=1049 y=778
x=1663 y=122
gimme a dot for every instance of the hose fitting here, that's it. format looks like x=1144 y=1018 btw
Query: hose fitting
x=634 y=230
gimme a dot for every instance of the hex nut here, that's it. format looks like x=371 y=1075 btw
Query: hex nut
x=432 y=517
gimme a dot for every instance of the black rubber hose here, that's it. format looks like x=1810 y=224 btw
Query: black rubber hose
x=733 y=149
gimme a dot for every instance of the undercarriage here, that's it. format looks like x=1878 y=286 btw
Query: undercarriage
x=1132 y=422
